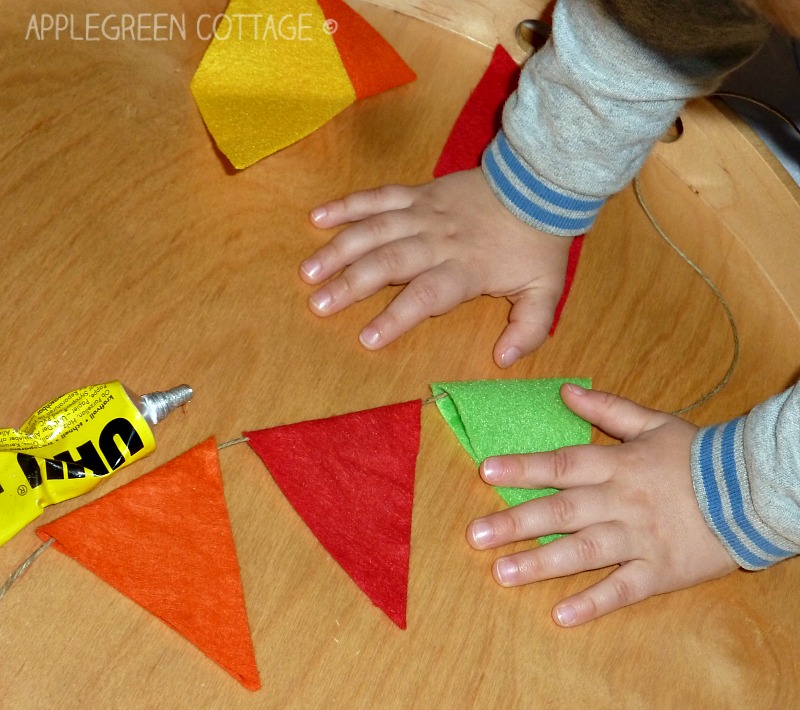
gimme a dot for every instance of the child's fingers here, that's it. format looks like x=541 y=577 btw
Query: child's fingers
x=568 y=511
x=360 y=205
x=616 y=416
x=597 y=547
x=563 y=468
x=398 y=261
x=628 y=584
x=529 y=322
x=355 y=241
x=432 y=293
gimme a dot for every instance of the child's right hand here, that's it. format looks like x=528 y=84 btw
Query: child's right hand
x=631 y=505
x=450 y=240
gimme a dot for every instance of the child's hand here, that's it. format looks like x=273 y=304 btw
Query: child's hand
x=631 y=504
x=450 y=240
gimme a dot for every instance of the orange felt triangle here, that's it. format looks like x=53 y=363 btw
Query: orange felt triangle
x=371 y=62
x=351 y=479
x=165 y=542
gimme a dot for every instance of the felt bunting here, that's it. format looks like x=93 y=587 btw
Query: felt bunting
x=275 y=72
x=351 y=479
x=476 y=126
x=498 y=417
x=164 y=540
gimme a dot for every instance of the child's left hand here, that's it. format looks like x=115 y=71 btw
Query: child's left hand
x=450 y=240
x=631 y=505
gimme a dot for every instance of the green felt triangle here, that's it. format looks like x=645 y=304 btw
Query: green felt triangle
x=499 y=417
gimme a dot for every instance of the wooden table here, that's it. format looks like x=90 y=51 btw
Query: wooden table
x=132 y=251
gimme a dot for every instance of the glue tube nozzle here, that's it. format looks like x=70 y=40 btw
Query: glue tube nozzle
x=157 y=405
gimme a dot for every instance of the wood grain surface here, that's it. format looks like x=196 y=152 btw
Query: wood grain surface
x=133 y=252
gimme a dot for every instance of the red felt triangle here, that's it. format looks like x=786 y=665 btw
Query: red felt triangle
x=481 y=117
x=165 y=542
x=371 y=62
x=572 y=265
x=351 y=479
x=476 y=126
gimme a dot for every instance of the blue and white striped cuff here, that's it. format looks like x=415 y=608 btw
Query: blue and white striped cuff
x=542 y=205
x=720 y=482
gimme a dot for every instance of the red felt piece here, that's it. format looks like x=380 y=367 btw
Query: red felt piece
x=572 y=265
x=481 y=117
x=165 y=542
x=351 y=479
x=370 y=61
x=476 y=126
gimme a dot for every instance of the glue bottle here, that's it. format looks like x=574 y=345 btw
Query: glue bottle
x=69 y=445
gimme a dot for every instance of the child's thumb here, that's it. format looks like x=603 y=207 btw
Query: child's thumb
x=529 y=322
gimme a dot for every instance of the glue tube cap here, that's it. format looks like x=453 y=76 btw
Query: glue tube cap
x=157 y=405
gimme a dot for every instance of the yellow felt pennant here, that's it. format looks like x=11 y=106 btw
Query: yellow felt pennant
x=271 y=76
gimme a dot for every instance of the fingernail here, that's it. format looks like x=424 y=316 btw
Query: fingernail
x=492 y=469
x=318 y=213
x=369 y=337
x=311 y=267
x=510 y=356
x=566 y=615
x=506 y=571
x=321 y=300
x=481 y=533
x=575 y=389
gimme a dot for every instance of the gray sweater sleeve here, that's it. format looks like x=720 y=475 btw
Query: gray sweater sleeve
x=746 y=476
x=589 y=107
x=592 y=103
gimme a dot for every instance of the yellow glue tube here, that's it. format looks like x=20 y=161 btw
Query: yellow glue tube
x=72 y=443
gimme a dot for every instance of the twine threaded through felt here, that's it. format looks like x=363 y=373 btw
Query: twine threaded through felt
x=17 y=573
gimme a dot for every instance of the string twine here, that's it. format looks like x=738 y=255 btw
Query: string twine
x=711 y=285
x=17 y=573
x=717 y=293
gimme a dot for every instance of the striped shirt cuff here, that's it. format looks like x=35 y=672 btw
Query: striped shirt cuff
x=721 y=485
x=535 y=201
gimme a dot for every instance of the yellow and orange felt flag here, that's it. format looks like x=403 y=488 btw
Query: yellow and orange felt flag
x=276 y=71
